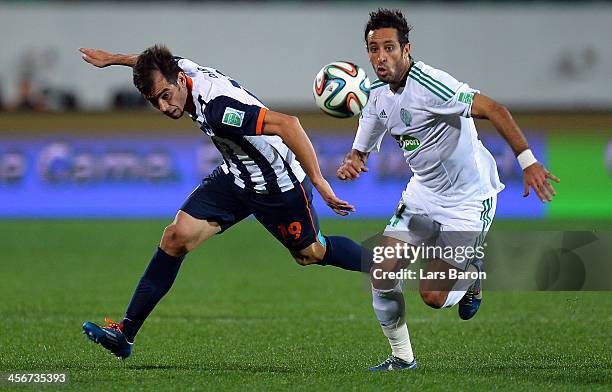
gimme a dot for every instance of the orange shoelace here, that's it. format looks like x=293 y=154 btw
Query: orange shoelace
x=112 y=325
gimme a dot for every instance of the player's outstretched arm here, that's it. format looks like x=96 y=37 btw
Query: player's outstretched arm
x=535 y=175
x=294 y=136
x=101 y=58
x=353 y=164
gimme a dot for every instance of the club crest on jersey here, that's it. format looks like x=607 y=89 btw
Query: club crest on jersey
x=408 y=143
x=406 y=117
x=232 y=117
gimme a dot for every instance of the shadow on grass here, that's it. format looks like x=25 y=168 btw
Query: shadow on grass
x=217 y=367
x=220 y=367
x=164 y=367
x=227 y=367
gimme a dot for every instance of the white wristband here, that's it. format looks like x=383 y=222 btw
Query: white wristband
x=526 y=159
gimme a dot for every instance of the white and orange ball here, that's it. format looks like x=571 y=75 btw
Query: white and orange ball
x=341 y=89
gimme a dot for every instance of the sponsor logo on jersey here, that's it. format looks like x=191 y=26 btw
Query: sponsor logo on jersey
x=406 y=117
x=466 y=98
x=382 y=114
x=408 y=143
x=232 y=117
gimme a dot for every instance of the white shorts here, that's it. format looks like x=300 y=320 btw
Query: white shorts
x=419 y=220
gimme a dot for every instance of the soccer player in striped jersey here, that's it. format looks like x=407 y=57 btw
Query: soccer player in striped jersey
x=450 y=200
x=269 y=169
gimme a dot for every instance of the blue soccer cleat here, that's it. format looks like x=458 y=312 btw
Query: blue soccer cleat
x=110 y=337
x=394 y=363
x=470 y=303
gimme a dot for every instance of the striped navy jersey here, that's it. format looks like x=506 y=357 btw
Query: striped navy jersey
x=233 y=118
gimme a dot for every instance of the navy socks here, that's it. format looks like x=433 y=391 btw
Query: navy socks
x=159 y=276
x=345 y=253
x=153 y=285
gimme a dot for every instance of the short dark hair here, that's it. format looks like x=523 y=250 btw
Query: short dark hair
x=382 y=18
x=156 y=58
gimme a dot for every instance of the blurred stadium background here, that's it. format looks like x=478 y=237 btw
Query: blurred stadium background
x=76 y=141
x=78 y=144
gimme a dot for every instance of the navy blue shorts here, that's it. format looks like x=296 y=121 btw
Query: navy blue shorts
x=289 y=216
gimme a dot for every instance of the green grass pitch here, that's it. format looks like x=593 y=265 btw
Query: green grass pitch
x=243 y=315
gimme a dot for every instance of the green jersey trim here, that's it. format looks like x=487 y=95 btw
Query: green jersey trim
x=428 y=87
x=376 y=84
x=428 y=77
x=436 y=87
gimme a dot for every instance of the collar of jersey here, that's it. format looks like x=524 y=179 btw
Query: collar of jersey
x=190 y=107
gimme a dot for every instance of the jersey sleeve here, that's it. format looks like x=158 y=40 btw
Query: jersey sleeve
x=449 y=96
x=230 y=117
x=370 y=131
x=460 y=103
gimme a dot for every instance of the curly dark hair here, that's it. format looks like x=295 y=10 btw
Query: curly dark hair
x=156 y=58
x=382 y=18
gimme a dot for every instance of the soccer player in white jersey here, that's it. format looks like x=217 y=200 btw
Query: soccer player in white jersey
x=450 y=200
x=269 y=169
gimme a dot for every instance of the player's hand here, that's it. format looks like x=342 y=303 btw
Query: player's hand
x=537 y=177
x=351 y=167
x=339 y=206
x=96 y=57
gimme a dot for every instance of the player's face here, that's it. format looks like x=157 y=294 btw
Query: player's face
x=389 y=60
x=168 y=98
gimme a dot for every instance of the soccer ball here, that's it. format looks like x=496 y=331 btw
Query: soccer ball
x=341 y=89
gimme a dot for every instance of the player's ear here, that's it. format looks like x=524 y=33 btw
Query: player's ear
x=181 y=79
x=407 y=48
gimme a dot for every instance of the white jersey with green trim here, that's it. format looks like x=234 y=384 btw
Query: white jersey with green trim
x=430 y=117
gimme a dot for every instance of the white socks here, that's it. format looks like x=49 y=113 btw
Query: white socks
x=390 y=311
x=399 y=341
x=453 y=298
x=460 y=287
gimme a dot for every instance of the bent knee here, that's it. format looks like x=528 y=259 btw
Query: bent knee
x=176 y=240
x=310 y=255
x=434 y=299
